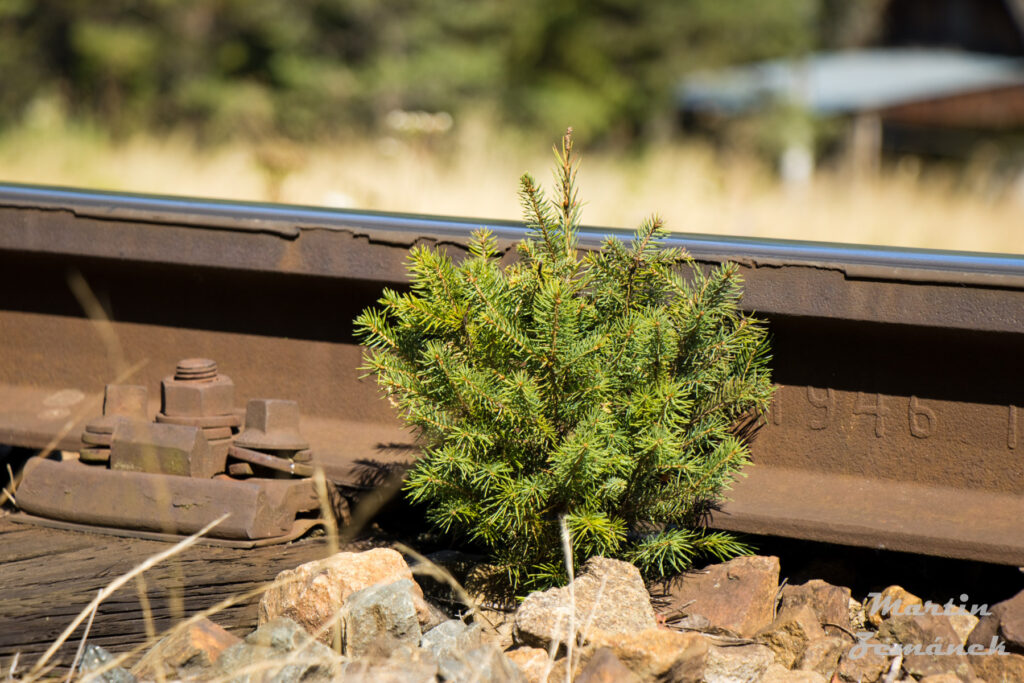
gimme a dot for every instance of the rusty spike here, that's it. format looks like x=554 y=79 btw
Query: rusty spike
x=272 y=462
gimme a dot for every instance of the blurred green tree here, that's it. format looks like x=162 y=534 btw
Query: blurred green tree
x=316 y=68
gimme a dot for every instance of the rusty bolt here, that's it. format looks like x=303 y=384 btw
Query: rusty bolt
x=196 y=390
x=196 y=369
x=272 y=425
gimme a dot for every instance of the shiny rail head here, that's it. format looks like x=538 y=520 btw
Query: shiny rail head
x=288 y=221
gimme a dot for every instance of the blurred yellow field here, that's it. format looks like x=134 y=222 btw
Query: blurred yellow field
x=471 y=175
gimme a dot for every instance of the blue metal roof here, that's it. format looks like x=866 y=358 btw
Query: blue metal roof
x=843 y=82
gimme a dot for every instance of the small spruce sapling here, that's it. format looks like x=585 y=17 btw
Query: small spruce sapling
x=605 y=388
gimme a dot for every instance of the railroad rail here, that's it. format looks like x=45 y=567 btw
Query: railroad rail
x=898 y=424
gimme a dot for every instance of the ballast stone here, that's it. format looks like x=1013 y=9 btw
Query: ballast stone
x=312 y=594
x=609 y=596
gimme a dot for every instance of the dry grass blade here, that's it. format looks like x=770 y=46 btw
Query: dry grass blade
x=147 y=612
x=100 y=320
x=425 y=566
x=894 y=669
x=327 y=510
x=117 y=583
x=8 y=494
x=147 y=616
x=571 y=635
x=327 y=514
x=298 y=656
x=81 y=644
x=370 y=503
x=184 y=624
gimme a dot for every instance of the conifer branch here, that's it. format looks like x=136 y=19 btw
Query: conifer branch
x=601 y=388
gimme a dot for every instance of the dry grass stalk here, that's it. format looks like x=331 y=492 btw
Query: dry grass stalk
x=81 y=644
x=570 y=571
x=425 y=566
x=100 y=320
x=331 y=524
x=297 y=656
x=14 y=667
x=147 y=612
x=230 y=601
x=8 y=494
x=116 y=584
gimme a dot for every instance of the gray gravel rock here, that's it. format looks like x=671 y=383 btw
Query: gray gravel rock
x=450 y=637
x=406 y=665
x=279 y=651
x=95 y=657
x=483 y=664
x=378 y=619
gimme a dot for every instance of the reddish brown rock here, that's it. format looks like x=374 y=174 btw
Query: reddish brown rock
x=935 y=640
x=822 y=655
x=533 y=662
x=312 y=594
x=738 y=596
x=789 y=634
x=605 y=667
x=1004 y=622
x=864 y=662
x=737 y=664
x=655 y=653
x=942 y=678
x=963 y=622
x=198 y=645
x=831 y=604
x=776 y=673
x=893 y=600
x=1008 y=668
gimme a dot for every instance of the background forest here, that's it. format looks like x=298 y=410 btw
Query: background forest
x=437 y=107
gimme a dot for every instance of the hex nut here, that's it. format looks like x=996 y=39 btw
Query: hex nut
x=272 y=424
x=187 y=398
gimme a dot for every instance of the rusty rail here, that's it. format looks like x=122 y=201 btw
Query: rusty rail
x=899 y=422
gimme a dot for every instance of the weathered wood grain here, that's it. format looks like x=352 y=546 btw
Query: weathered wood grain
x=48 y=576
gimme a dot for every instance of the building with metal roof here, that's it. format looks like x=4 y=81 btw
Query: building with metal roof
x=851 y=82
